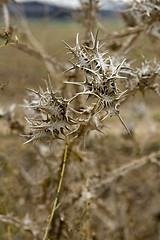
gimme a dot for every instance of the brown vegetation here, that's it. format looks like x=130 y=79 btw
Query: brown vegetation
x=92 y=169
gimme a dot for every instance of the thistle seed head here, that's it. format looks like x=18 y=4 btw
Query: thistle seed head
x=144 y=12
x=49 y=115
x=148 y=76
x=102 y=73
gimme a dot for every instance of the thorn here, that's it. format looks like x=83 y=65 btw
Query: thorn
x=121 y=120
x=68 y=46
x=67 y=70
x=77 y=40
x=30 y=140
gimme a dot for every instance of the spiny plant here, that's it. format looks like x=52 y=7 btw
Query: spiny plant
x=52 y=117
x=144 y=13
x=49 y=115
x=105 y=82
x=148 y=76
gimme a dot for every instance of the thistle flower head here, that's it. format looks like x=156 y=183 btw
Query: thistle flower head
x=49 y=115
x=148 y=76
x=148 y=7
x=144 y=12
x=102 y=73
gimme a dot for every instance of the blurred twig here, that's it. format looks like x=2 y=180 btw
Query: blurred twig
x=6 y=17
x=125 y=169
x=25 y=48
x=36 y=44
x=22 y=224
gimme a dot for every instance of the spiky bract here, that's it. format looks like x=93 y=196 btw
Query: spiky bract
x=48 y=120
x=102 y=73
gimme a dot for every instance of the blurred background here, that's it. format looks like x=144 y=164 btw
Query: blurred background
x=126 y=208
x=49 y=22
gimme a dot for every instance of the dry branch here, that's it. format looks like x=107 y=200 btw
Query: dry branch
x=6 y=17
x=25 y=224
x=35 y=43
x=25 y=48
x=125 y=169
x=128 y=32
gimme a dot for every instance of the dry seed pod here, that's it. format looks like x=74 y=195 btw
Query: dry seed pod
x=148 y=76
x=49 y=116
x=102 y=73
x=144 y=12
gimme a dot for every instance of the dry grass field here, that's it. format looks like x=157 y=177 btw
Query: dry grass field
x=111 y=187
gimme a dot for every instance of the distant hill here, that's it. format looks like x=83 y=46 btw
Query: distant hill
x=37 y=10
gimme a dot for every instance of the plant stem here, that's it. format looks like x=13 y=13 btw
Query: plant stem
x=87 y=205
x=58 y=190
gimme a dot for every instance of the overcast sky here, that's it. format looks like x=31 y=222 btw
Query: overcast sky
x=69 y=3
x=73 y=3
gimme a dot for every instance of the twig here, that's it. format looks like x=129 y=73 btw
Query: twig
x=55 y=205
x=128 y=43
x=122 y=171
x=9 y=232
x=35 y=53
x=29 y=226
x=125 y=33
x=35 y=43
x=87 y=205
x=6 y=17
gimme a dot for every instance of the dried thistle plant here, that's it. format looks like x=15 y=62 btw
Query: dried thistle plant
x=148 y=76
x=101 y=75
x=88 y=15
x=106 y=82
x=144 y=12
x=147 y=9
x=49 y=115
x=53 y=115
